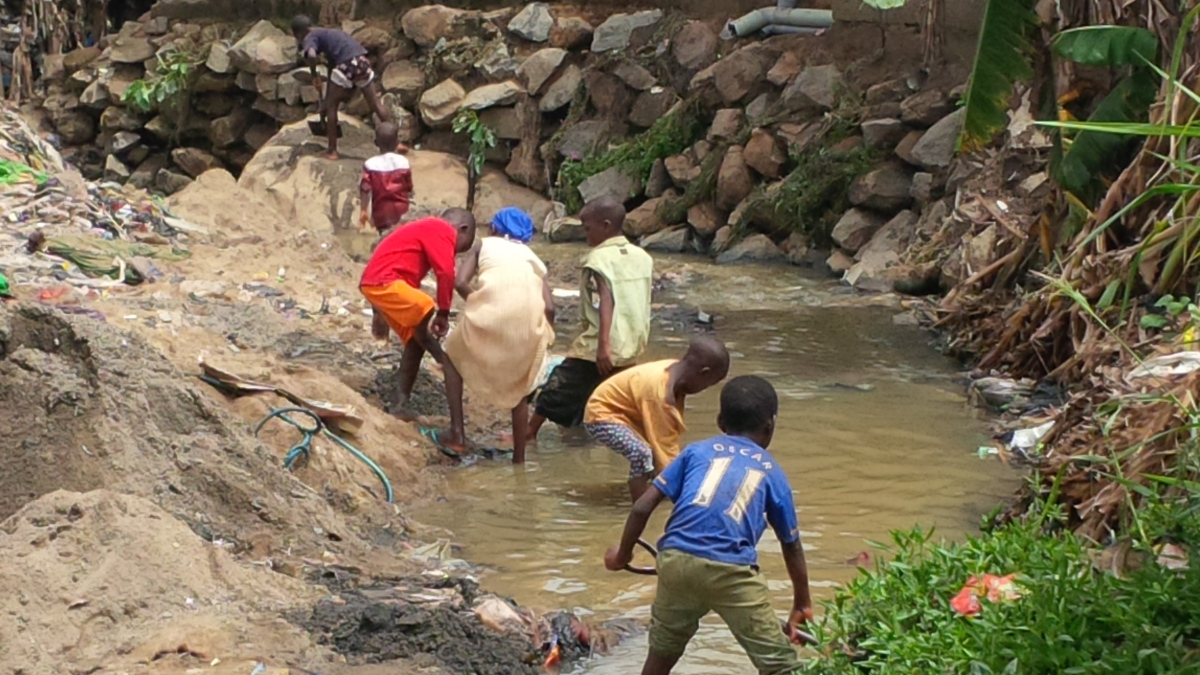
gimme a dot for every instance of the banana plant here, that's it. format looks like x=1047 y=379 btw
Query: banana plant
x=1002 y=57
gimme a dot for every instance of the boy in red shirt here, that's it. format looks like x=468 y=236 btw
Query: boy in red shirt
x=391 y=282
x=386 y=186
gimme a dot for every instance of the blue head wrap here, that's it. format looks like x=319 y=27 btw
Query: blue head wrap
x=513 y=223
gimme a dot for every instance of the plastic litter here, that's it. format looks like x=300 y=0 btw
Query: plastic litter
x=1166 y=365
x=995 y=588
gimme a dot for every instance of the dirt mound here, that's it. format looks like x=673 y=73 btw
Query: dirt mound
x=312 y=192
x=104 y=580
x=91 y=407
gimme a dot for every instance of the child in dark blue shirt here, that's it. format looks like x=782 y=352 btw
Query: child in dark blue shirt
x=726 y=490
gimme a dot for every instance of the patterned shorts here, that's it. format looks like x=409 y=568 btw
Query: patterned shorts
x=625 y=442
x=354 y=73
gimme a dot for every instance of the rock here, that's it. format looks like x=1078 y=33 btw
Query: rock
x=922 y=187
x=258 y=135
x=705 y=219
x=536 y=70
x=758 y=108
x=439 y=104
x=209 y=83
x=1031 y=186
x=120 y=119
x=609 y=96
x=119 y=79
x=290 y=90
x=924 y=108
x=161 y=128
x=905 y=147
x=979 y=250
x=95 y=96
x=115 y=170
x=562 y=91
x=755 y=248
x=720 y=241
x=855 y=229
x=617 y=31
x=936 y=147
x=504 y=122
x=533 y=23
x=218 y=58
x=581 y=138
x=635 y=76
x=404 y=78
x=784 y=69
x=681 y=169
x=701 y=150
x=645 y=219
x=215 y=105
x=124 y=141
x=78 y=58
x=570 y=32
x=651 y=106
x=264 y=49
x=559 y=230
x=373 y=39
x=763 y=155
x=169 y=182
x=737 y=74
x=267 y=86
x=882 y=111
x=246 y=81
x=815 y=87
x=738 y=217
x=668 y=241
x=798 y=137
x=61 y=102
x=194 y=161
x=526 y=166
x=886 y=189
x=279 y=111
x=427 y=24
x=53 y=68
x=227 y=130
x=734 y=182
x=885 y=133
x=695 y=46
x=611 y=182
x=795 y=247
x=838 y=262
x=659 y=181
x=146 y=172
x=726 y=125
x=491 y=95
x=129 y=49
x=887 y=92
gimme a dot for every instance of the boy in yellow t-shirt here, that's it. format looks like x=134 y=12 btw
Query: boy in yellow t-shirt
x=638 y=412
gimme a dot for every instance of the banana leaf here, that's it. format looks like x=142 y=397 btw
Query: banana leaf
x=1107 y=46
x=1001 y=60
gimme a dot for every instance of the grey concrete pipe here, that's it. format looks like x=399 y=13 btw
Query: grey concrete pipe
x=759 y=19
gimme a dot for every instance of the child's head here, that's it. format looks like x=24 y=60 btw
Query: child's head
x=705 y=364
x=603 y=219
x=387 y=136
x=301 y=24
x=463 y=223
x=748 y=408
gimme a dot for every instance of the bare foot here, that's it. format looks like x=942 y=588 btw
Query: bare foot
x=331 y=155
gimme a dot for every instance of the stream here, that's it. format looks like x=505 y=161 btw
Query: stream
x=874 y=432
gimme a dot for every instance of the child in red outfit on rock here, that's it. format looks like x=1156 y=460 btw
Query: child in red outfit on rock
x=386 y=186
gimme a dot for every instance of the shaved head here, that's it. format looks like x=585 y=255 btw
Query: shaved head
x=602 y=219
x=462 y=221
x=387 y=136
x=709 y=352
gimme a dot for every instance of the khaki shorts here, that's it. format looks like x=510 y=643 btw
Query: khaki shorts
x=691 y=587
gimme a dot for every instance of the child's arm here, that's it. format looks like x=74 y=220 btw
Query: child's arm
x=781 y=514
x=466 y=271
x=364 y=200
x=604 y=362
x=797 y=567
x=548 y=298
x=619 y=556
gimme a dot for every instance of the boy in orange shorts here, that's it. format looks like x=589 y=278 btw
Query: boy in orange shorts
x=392 y=282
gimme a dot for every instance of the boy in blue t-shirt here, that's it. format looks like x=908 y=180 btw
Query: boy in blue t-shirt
x=725 y=489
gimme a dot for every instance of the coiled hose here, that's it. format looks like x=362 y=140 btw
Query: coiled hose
x=305 y=445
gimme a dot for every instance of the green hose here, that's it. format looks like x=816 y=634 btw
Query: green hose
x=304 y=446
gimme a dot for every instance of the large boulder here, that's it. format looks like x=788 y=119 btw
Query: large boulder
x=855 y=229
x=194 y=161
x=646 y=219
x=784 y=69
x=682 y=170
x=264 y=49
x=763 y=154
x=533 y=23
x=667 y=241
x=651 y=106
x=609 y=95
x=886 y=189
x=755 y=248
x=883 y=133
x=121 y=119
x=115 y=170
x=925 y=108
x=130 y=49
x=95 y=96
x=218 y=58
x=877 y=265
x=738 y=74
x=536 y=70
x=612 y=182
x=227 y=130
x=695 y=46
x=617 y=31
x=816 y=87
x=726 y=124
x=427 y=24
x=936 y=147
x=491 y=95
x=635 y=76
x=705 y=219
x=439 y=103
x=734 y=182
x=405 y=79
x=578 y=140
x=504 y=122
x=562 y=91
x=315 y=193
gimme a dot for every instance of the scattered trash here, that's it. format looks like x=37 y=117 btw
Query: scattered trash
x=1171 y=556
x=1025 y=441
x=1166 y=365
x=343 y=417
x=259 y=669
x=994 y=588
x=1000 y=392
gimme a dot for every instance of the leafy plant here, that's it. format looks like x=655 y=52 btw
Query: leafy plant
x=481 y=138
x=1001 y=60
x=169 y=82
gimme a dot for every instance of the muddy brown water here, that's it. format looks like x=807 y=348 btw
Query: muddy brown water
x=874 y=432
